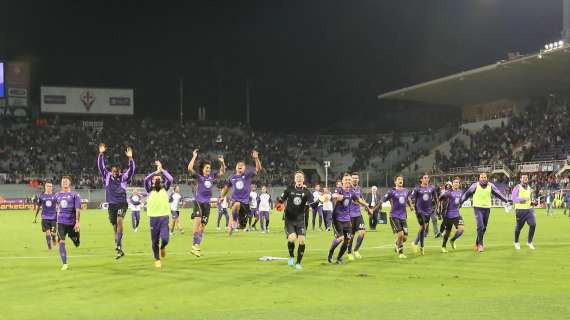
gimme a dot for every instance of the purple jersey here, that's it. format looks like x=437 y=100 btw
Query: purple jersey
x=47 y=201
x=205 y=184
x=398 y=199
x=423 y=198
x=68 y=203
x=453 y=202
x=341 y=211
x=241 y=185
x=354 y=206
x=115 y=187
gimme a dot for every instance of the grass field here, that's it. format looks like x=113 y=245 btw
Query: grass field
x=228 y=282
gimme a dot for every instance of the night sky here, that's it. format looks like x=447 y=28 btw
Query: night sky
x=309 y=63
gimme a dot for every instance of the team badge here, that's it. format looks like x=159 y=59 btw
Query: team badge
x=239 y=185
x=48 y=203
x=87 y=98
x=208 y=184
x=297 y=201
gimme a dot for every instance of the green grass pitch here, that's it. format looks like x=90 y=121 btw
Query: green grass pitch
x=228 y=282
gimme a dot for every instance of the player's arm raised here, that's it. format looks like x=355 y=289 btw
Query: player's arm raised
x=131 y=171
x=222 y=165
x=148 y=181
x=101 y=161
x=168 y=177
x=255 y=156
x=193 y=162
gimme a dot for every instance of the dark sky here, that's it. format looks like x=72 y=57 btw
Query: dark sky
x=308 y=62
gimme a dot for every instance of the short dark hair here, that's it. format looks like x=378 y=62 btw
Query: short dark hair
x=66 y=177
x=300 y=171
x=398 y=176
x=355 y=173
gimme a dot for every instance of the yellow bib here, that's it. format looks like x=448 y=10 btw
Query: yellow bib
x=157 y=204
x=482 y=196
x=524 y=193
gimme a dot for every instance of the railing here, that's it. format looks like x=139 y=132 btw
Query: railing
x=531 y=166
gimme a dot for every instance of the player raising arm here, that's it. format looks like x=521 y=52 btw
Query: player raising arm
x=158 y=209
x=116 y=193
x=240 y=183
x=205 y=179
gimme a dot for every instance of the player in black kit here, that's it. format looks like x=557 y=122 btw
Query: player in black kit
x=296 y=198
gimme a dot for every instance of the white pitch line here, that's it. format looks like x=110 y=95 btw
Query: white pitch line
x=232 y=252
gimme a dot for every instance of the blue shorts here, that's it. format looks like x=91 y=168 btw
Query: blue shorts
x=175 y=214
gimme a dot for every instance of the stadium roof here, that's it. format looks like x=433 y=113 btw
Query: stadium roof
x=529 y=76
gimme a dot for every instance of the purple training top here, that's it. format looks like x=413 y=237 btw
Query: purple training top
x=205 y=184
x=354 y=206
x=115 y=187
x=47 y=201
x=341 y=211
x=453 y=202
x=398 y=200
x=423 y=198
x=68 y=203
x=167 y=183
x=241 y=185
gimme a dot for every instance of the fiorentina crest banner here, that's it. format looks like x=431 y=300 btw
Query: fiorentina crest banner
x=87 y=101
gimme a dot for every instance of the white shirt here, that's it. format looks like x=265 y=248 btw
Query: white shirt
x=253 y=200
x=176 y=197
x=264 y=204
x=327 y=203
x=136 y=207
x=316 y=196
